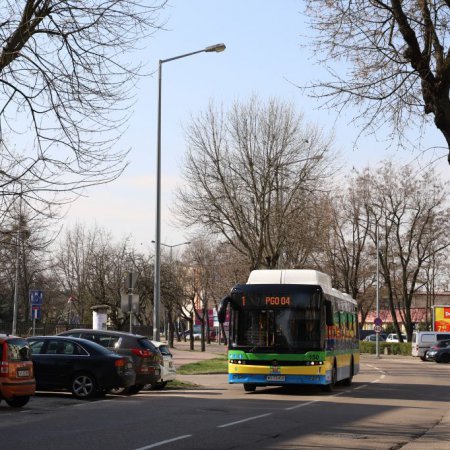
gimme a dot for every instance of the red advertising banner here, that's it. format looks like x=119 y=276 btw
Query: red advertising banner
x=441 y=318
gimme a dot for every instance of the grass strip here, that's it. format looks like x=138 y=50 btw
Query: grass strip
x=178 y=385
x=207 y=366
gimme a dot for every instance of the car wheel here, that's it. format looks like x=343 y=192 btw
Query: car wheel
x=18 y=402
x=158 y=386
x=84 y=386
x=248 y=387
x=424 y=357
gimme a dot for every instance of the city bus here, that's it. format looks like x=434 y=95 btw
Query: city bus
x=290 y=327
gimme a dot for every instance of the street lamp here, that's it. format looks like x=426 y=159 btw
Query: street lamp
x=16 y=282
x=377 y=320
x=173 y=246
x=377 y=337
x=157 y=293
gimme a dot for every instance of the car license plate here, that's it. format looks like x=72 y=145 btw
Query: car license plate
x=275 y=378
x=23 y=373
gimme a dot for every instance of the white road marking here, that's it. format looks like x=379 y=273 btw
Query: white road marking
x=157 y=444
x=243 y=420
x=338 y=393
x=301 y=405
x=360 y=387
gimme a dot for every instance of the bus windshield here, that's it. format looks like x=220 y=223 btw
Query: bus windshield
x=278 y=329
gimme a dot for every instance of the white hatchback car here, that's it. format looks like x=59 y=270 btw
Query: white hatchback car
x=168 y=371
x=393 y=337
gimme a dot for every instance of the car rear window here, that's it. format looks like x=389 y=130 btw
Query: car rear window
x=18 y=350
x=146 y=344
x=164 y=350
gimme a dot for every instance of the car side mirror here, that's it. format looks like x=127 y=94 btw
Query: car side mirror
x=222 y=311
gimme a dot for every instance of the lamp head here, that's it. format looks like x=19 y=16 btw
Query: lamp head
x=215 y=48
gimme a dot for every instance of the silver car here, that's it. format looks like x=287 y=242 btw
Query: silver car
x=168 y=371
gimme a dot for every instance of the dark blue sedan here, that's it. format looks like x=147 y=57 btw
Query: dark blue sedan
x=83 y=367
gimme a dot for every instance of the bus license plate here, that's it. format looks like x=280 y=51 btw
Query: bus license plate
x=275 y=378
x=23 y=373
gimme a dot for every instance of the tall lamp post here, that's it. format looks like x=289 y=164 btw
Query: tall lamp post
x=16 y=282
x=377 y=345
x=157 y=294
x=173 y=246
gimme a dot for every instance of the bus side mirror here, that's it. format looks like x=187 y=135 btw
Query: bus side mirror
x=222 y=311
x=329 y=313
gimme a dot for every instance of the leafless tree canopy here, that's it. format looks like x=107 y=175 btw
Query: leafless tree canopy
x=66 y=75
x=248 y=173
x=412 y=216
x=397 y=56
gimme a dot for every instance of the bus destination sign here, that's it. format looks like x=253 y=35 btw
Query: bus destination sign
x=266 y=301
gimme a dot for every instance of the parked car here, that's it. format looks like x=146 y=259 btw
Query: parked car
x=145 y=356
x=422 y=341
x=393 y=337
x=373 y=338
x=168 y=371
x=439 y=352
x=17 y=383
x=197 y=332
x=85 y=368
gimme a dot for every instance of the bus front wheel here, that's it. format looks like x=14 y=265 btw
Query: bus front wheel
x=249 y=387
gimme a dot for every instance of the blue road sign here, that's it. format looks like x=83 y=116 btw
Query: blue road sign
x=36 y=297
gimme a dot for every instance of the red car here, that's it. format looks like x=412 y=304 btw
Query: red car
x=17 y=383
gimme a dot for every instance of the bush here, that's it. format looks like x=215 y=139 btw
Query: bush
x=393 y=348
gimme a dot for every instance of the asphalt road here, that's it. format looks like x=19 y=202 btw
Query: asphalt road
x=394 y=403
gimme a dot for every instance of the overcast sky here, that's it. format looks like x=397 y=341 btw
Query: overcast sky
x=264 y=56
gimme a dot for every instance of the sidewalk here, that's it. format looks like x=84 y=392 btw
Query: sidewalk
x=436 y=438
x=182 y=354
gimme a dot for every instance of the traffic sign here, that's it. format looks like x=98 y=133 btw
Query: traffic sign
x=36 y=297
x=36 y=312
x=378 y=321
x=377 y=328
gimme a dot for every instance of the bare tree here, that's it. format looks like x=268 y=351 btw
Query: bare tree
x=413 y=219
x=24 y=257
x=66 y=73
x=345 y=252
x=91 y=267
x=248 y=174
x=397 y=59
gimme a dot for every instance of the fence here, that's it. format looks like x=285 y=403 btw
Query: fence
x=25 y=329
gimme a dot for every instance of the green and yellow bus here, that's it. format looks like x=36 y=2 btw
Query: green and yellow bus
x=290 y=327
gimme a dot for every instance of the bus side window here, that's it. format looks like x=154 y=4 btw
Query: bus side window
x=329 y=313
